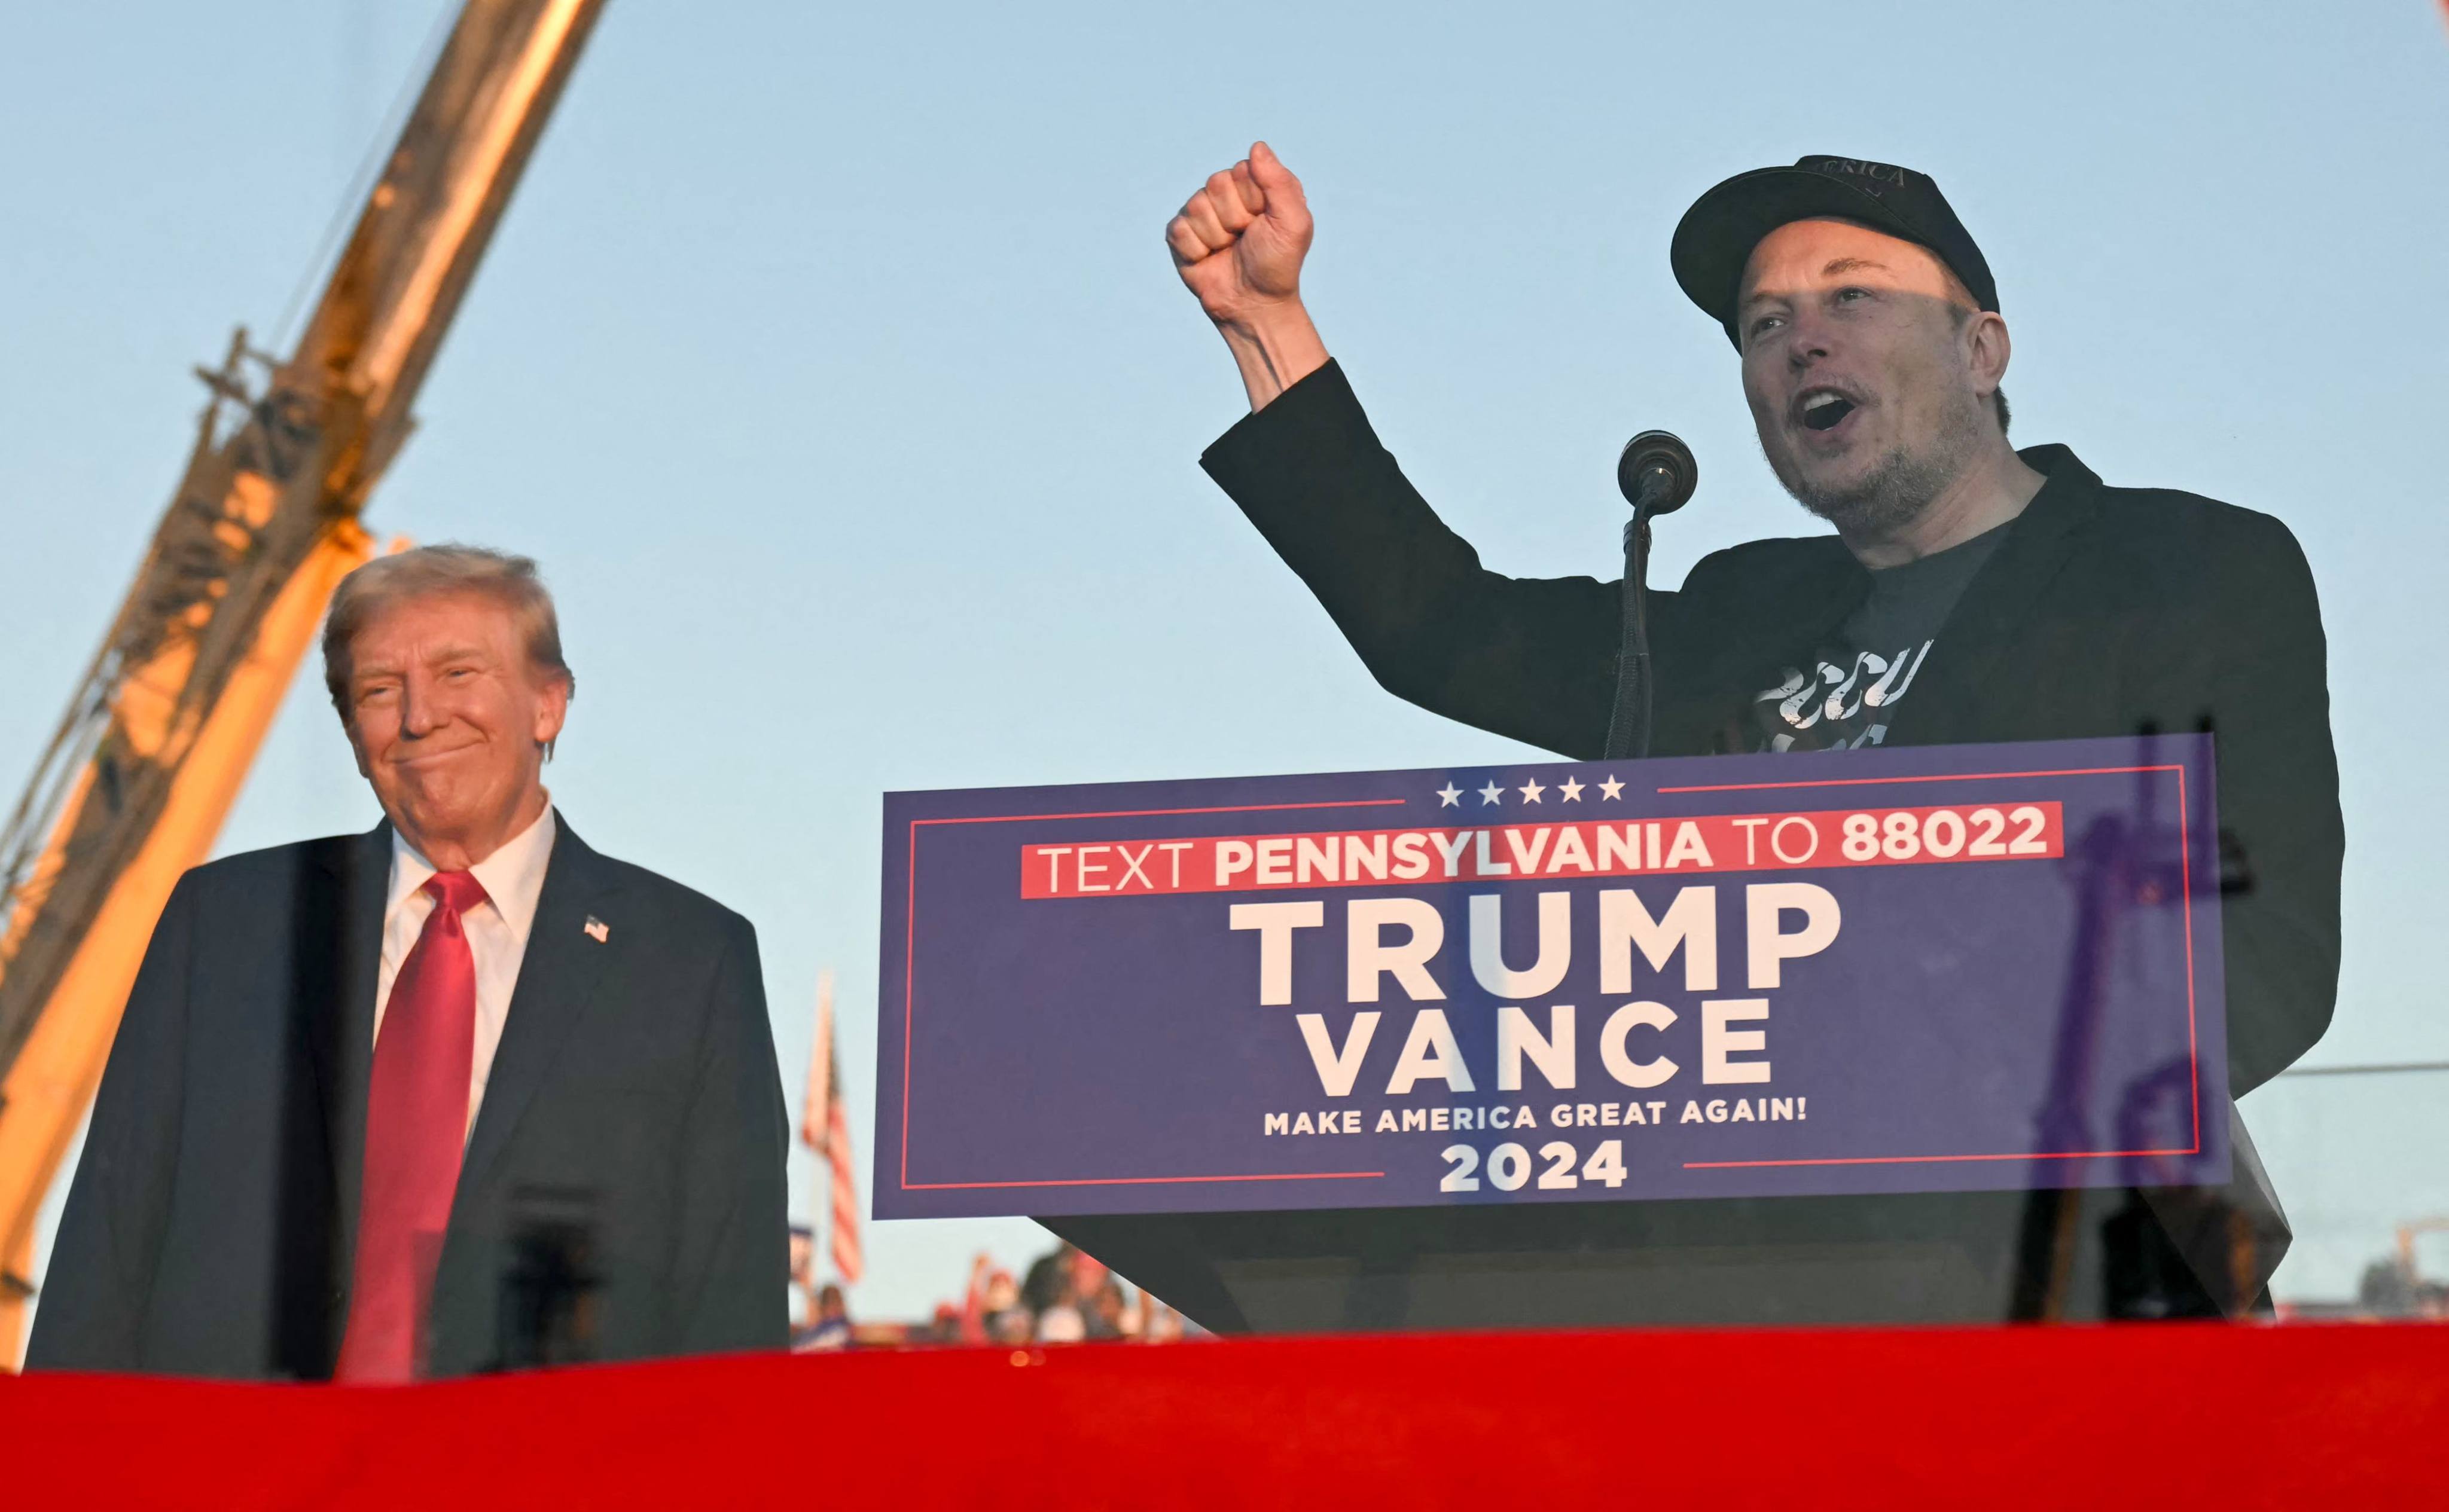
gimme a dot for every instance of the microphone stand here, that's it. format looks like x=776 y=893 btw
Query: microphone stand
x=1656 y=475
x=1629 y=723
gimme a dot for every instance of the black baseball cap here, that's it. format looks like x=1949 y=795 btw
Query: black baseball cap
x=1717 y=235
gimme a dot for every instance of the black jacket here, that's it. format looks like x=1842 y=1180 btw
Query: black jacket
x=2106 y=612
x=632 y=1131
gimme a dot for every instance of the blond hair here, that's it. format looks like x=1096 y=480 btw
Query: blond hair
x=509 y=581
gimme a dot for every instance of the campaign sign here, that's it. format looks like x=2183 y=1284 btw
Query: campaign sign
x=1921 y=969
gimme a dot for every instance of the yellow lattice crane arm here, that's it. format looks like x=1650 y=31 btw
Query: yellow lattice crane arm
x=157 y=742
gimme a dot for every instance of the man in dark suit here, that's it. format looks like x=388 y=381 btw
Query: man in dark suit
x=458 y=1094
x=1971 y=592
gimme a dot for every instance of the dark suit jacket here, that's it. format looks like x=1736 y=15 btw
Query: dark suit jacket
x=632 y=1130
x=2107 y=612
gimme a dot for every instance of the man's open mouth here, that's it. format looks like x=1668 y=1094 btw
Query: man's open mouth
x=1825 y=409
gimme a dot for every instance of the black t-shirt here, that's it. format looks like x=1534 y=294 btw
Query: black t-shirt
x=1857 y=679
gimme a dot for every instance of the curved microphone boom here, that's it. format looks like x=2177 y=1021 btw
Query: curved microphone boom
x=1657 y=475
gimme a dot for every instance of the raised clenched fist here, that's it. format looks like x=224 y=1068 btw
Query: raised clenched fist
x=1239 y=241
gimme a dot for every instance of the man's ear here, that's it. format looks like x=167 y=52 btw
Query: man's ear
x=1988 y=349
x=552 y=712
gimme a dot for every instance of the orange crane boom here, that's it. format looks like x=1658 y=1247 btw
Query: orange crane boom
x=154 y=746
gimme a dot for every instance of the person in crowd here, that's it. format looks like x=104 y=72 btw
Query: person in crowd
x=1062 y=1323
x=1090 y=1279
x=1106 y=1313
x=830 y=1329
x=352 y=1070
x=802 y=1253
x=1048 y=1278
x=990 y=1295
x=1012 y=1326
x=945 y=1327
x=1002 y=1293
x=1969 y=591
x=1095 y=1304
x=1159 y=1323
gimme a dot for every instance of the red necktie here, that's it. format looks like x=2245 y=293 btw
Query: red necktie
x=416 y=1124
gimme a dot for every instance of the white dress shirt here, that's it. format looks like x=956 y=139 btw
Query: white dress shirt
x=512 y=878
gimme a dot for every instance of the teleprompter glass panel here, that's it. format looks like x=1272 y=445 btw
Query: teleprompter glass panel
x=1079 y=443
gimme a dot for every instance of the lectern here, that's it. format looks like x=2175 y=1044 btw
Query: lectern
x=2062 y=1254
x=1875 y=1037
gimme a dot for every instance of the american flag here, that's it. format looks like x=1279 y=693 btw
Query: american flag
x=824 y=1127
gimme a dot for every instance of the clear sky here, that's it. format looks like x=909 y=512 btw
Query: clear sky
x=831 y=362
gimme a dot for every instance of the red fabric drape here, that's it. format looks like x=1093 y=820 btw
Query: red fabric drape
x=2154 y=1417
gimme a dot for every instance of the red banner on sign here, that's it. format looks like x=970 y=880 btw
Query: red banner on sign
x=1360 y=858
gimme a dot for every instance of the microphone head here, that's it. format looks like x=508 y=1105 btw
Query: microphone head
x=1656 y=463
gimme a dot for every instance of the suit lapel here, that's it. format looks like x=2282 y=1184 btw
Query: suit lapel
x=1782 y=622
x=1999 y=604
x=557 y=979
x=1808 y=612
x=340 y=1029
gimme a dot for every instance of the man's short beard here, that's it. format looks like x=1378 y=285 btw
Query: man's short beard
x=1896 y=491
x=1884 y=500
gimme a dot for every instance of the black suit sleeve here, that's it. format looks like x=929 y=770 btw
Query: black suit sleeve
x=1532 y=658
x=732 y=1274
x=96 y=1290
x=2281 y=837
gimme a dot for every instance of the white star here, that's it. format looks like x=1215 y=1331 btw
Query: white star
x=1449 y=796
x=1491 y=792
x=1572 y=790
x=1531 y=790
x=1612 y=789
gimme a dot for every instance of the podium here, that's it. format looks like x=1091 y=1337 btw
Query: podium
x=1928 y=1036
x=1950 y=1259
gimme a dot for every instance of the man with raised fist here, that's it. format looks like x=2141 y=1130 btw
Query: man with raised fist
x=1969 y=591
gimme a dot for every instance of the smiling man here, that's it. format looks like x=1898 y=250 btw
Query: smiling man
x=456 y=1094
x=1970 y=592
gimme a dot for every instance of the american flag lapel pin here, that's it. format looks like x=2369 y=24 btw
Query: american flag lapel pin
x=597 y=929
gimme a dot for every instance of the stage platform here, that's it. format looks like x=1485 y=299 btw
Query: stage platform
x=2137 y=1416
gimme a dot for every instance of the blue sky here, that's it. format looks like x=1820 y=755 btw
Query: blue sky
x=831 y=362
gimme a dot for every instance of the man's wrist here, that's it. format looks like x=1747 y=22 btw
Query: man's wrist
x=1276 y=345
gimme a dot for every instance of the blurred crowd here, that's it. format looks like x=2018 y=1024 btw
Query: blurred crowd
x=1063 y=1298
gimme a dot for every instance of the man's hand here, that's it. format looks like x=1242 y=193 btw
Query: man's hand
x=1239 y=241
x=1238 y=244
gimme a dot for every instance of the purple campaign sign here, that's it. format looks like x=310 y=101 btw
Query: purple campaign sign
x=1944 y=969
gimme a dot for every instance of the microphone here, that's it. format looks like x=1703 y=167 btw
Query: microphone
x=1656 y=473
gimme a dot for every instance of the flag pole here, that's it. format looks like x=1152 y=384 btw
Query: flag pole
x=817 y=1113
x=824 y=1127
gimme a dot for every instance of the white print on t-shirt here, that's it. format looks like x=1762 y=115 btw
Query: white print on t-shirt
x=1838 y=696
